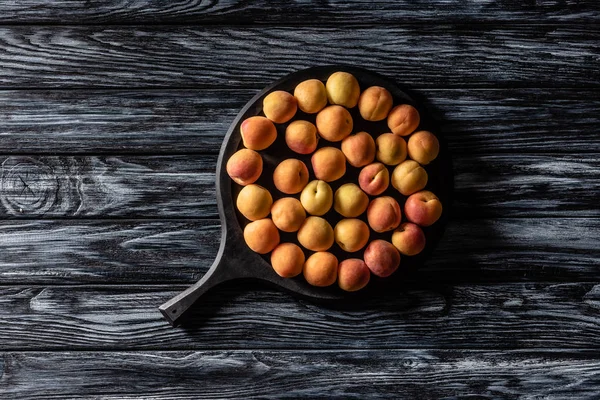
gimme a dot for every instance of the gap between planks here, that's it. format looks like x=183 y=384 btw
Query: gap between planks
x=417 y=285
x=217 y=220
x=217 y=24
x=408 y=86
x=308 y=350
x=259 y=88
x=175 y=153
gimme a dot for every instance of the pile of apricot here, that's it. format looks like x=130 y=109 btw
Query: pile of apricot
x=305 y=202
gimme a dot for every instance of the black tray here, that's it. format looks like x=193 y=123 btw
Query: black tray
x=236 y=261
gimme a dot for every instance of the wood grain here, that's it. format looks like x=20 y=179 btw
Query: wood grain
x=154 y=251
x=285 y=12
x=526 y=185
x=108 y=186
x=109 y=121
x=474 y=121
x=184 y=186
x=150 y=251
x=440 y=316
x=301 y=374
x=111 y=117
x=436 y=55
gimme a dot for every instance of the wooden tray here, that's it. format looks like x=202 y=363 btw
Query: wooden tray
x=236 y=261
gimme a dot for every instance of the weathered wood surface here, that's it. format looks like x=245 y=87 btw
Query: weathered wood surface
x=184 y=186
x=277 y=12
x=429 y=55
x=108 y=186
x=107 y=201
x=475 y=121
x=356 y=374
x=150 y=251
x=458 y=316
x=527 y=185
x=160 y=251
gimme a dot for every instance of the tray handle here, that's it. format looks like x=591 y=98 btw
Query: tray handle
x=174 y=309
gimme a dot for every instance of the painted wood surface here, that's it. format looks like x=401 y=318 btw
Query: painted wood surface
x=234 y=57
x=356 y=374
x=422 y=315
x=180 y=251
x=341 y=12
x=168 y=121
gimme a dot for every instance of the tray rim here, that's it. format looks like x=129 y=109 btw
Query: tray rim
x=231 y=230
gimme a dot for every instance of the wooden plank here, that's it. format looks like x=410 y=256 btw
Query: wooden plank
x=355 y=374
x=475 y=121
x=530 y=248
x=150 y=251
x=429 y=55
x=154 y=251
x=285 y=12
x=516 y=120
x=109 y=121
x=526 y=185
x=461 y=316
x=184 y=186
x=110 y=186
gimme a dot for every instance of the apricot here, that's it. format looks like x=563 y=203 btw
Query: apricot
x=351 y=234
x=349 y=201
x=359 y=149
x=375 y=103
x=280 y=106
x=353 y=274
x=290 y=176
x=311 y=96
x=343 y=89
x=423 y=208
x=423 y=147
x=288 y=214
x=261 y=236
x=317 y=197
x=301 y=137
x=403 y=119
x=244 y=166
x=254 y=202
x=287 y=259
x=384 y=214
x=409 y=177
x=320 y=269
x=382 y=258
x=258 y=133
x=391 y=149
x=374 y=179
x=329 y=164
x=316 y=234
x=409 y=239
x=334 y=123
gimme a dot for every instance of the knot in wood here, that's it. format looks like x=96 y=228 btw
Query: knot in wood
x=28 y=186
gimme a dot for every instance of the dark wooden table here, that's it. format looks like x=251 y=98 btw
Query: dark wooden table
x=111 y=117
